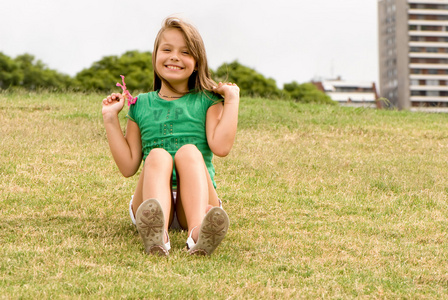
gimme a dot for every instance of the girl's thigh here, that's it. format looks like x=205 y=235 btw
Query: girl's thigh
x=212 y=199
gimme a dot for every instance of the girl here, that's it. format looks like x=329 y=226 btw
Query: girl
x=176 y=129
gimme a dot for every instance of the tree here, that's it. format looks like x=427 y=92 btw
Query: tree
x=250 y=81
x=306 y=93
x=35 y=74
x=26 y=72
x=104 y=74
x=10 y=74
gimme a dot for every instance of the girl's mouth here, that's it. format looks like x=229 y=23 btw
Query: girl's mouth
x=171 y=67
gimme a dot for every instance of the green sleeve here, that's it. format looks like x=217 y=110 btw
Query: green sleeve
x=214 y=98
x=131 y=115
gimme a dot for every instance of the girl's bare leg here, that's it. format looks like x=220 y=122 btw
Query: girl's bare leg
x=195 y=189
x=138 y=197
x=155 y=182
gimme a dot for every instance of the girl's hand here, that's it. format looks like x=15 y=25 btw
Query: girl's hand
x=113 y=104
x=228 y=91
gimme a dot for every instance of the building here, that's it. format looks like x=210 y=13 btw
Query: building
x=350 y=93
x=413 y=53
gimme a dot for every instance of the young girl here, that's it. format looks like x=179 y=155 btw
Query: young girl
x=176 y=129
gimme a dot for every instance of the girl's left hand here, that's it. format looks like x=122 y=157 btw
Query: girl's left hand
x=227 y=90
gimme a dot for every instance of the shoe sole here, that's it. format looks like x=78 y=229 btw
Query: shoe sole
x=212 y=232
x=149 y=221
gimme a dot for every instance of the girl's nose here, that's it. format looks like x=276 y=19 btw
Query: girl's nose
x=175 y=58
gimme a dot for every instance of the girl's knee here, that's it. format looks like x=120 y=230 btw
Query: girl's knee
x=158 y=156
x=188 y=153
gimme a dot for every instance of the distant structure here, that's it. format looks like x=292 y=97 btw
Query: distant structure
x=413 y=53
x=350 y=93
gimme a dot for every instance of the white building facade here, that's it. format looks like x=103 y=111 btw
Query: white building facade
x=350 y=93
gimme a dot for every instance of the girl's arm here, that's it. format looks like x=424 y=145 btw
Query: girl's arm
x=222 y=120
x=126 y=150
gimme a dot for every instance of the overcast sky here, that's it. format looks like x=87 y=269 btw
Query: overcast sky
x=287 y=40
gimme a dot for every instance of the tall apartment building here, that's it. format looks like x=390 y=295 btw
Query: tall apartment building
x=413 y=52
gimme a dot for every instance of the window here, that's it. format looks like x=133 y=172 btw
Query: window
x=390 y=74
x=414 y=82
x=432 y=82
x=430 y=28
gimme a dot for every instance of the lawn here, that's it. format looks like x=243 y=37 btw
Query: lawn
x=324 y=202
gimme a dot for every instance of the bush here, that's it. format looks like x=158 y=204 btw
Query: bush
x=306 y=93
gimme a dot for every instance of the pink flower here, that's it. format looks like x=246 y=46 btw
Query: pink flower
x=127 y=95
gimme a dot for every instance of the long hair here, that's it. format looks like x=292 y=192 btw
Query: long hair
x=200 y=80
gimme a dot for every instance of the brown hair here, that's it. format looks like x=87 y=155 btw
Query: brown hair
x=201 y=79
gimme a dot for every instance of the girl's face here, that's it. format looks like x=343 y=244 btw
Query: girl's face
x=174 y=63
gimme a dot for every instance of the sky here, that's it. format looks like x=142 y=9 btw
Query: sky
x=287 y=40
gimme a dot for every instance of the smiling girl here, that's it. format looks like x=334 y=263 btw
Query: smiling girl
x=175 y=130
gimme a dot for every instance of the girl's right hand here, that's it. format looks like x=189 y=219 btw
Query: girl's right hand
x=113 y=104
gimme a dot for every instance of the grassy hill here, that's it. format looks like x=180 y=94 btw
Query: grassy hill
x=324 y=202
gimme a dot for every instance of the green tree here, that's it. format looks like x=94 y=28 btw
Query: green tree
x=250 y=81
x=10 y=74
x=25 y=71
x=35 y=74
x=104 y=74
x=306 y=93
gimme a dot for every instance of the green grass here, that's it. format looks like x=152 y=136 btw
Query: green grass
x=324 y=202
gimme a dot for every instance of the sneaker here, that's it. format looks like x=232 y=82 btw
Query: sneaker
x=150 y=225
x=131 y=212
x=213 y=230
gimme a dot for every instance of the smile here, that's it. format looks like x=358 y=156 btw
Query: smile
x=171 y=67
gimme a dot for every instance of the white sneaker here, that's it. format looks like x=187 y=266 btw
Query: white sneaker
x=131 y=212
x=150 y=225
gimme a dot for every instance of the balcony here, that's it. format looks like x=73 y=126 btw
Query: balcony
x=428 y=55
x=426 y=1
x=428 y=33
x=429 y=88
x=429 y=99
x=428 y=77
x=428 y=66
x=428 y=44
x=428 y=11
x=428 y=22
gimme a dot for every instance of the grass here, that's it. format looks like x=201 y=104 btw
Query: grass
x=324 y=201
